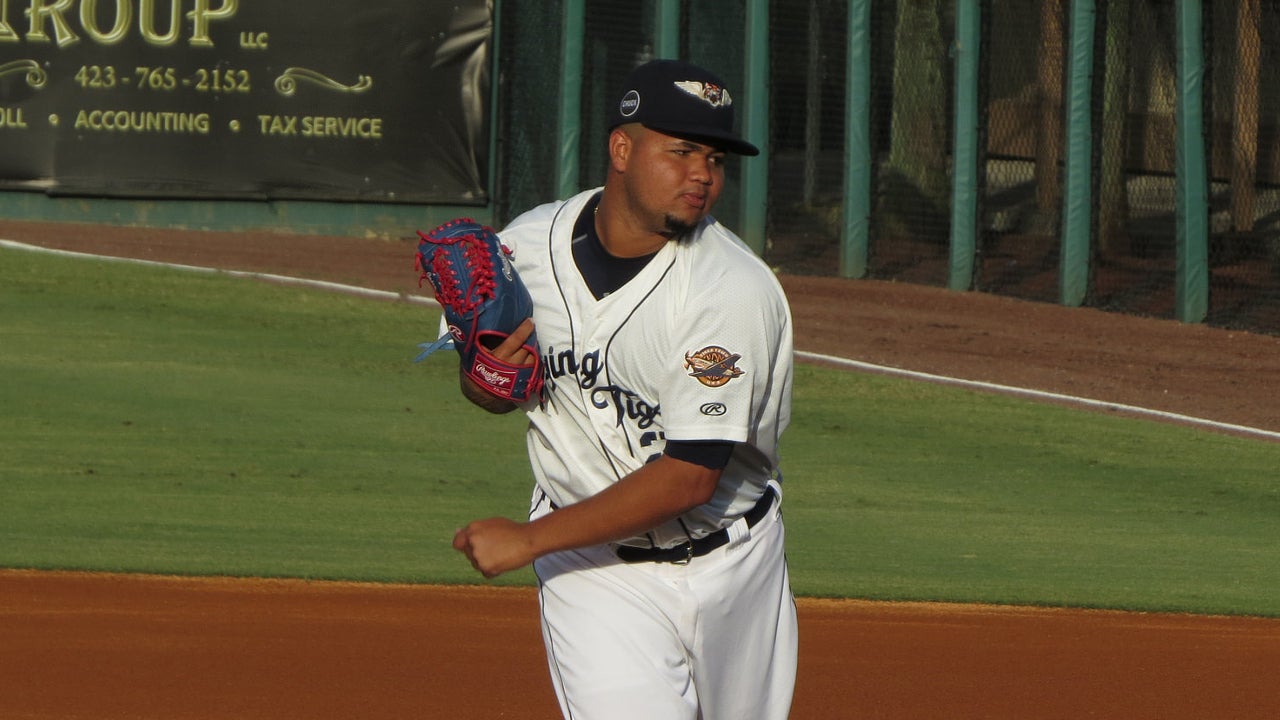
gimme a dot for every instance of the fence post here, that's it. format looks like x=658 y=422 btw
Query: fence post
x=755 y=127
x=1192 y=294
x=569 y=132
x=666 y=29
x=964 y=171
x=1077 y=214
x=854 y=235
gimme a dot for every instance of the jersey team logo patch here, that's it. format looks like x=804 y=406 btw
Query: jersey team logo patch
x=713 y=366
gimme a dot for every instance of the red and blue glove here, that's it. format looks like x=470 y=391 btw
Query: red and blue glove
x=484 y=301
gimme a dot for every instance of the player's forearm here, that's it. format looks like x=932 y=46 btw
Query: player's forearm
x=645 y=499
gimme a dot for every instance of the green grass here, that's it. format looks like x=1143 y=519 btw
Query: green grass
x=161 y=421
x=172 y=422
x=938 y=493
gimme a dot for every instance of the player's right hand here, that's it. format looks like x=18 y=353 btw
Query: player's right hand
x=495 y=545
x=513 y=349
x=510 y=350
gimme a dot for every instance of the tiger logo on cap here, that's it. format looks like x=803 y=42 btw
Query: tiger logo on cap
x=713 y=95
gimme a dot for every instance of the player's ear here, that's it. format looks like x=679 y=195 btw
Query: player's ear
x=620 y=146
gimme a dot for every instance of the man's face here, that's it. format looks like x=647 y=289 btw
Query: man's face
x=675 y=181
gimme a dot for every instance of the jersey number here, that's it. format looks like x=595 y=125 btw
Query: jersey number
x=647 y=440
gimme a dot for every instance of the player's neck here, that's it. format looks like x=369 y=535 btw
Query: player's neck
x=621 y=233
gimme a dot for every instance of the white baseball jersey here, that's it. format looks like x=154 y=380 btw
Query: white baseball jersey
x=696 y=346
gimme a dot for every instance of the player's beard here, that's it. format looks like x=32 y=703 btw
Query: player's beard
x=678 y=229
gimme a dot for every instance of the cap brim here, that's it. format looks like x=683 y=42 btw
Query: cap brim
x=723 y=141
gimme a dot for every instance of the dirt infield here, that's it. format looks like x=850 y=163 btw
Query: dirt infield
x=106 y=647
x=111 y=646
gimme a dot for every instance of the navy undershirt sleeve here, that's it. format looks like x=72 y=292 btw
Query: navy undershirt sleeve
x=712 y=454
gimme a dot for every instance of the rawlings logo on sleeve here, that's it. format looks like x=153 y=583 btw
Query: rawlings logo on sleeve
x=713 y=366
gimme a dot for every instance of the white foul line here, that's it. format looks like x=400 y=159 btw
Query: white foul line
x=804 y=355
x=1037 y=394
x=280 y=279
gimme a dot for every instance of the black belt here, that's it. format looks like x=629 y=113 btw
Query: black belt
x=690 y=549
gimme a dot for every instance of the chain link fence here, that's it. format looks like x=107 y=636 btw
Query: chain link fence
x=1244 y=144
x=1023 y=128
x=1022 y=192
x=1024 y=60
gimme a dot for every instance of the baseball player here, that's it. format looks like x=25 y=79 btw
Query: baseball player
x=655 y=529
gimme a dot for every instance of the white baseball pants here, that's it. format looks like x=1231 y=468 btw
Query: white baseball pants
x=715 y=639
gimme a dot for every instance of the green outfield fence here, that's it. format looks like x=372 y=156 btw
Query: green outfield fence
x=1118 y=154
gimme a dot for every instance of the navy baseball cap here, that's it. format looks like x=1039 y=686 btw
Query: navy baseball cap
x=680 y=99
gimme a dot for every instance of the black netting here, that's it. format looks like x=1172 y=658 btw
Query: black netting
x=616 y=40
x=1244 y=107
x=1025 y=65
x=911 y=145
x=808 y=56
x=1136 y=206
x=528 y=85
x=714 y=36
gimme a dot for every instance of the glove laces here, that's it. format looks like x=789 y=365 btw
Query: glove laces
x=479 y=263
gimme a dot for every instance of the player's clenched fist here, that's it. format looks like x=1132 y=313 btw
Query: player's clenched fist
x=495 y=545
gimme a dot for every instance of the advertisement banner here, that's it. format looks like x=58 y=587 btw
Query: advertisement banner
x=371 y=101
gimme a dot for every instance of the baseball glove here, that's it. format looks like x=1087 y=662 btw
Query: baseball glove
x=484 y=301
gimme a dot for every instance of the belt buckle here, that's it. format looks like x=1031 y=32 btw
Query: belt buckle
x=688 y=554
